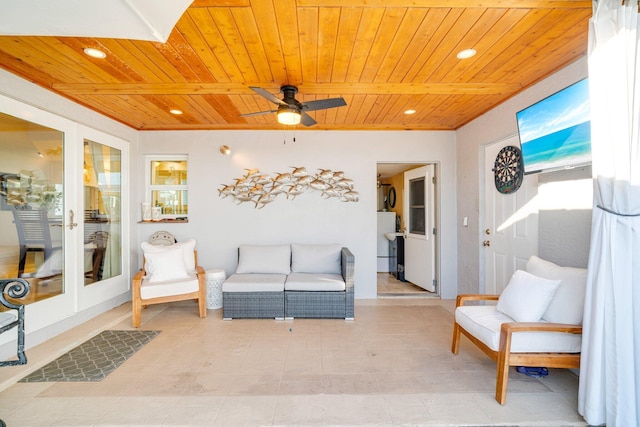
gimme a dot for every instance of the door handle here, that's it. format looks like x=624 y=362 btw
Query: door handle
x=486 y=243
x=71 y=223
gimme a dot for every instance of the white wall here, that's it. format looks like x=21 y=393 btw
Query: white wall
x=220 y=225
x=491 y=127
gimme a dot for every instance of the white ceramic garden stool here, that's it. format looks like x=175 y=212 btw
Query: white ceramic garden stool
x=215 y=278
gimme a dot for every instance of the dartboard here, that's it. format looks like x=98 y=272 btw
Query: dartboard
x=508 y=169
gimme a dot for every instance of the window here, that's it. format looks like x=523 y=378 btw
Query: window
x=417 y=206
x=166 y=186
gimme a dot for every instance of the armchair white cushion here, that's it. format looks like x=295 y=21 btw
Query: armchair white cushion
x=567 y=305
x=164 y=265
x=484 y=323
x=187 y=247
x=526 y=297
x=149 y=289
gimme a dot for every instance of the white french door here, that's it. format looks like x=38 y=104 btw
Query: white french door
x=101 y=226
x=42 y=211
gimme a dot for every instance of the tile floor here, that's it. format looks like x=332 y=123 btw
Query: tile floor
x=389 y=286
x=392 y=366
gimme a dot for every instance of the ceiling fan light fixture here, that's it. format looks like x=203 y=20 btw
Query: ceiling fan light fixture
x=288 y=115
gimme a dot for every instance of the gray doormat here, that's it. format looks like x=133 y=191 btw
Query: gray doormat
x=94 y=359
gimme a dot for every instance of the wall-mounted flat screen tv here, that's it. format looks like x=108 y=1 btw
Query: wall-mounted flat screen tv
x=555 y=133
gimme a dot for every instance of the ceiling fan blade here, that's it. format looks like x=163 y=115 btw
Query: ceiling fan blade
x=306 y=119
x=263 y=93
x=258 y=113
x=323 y=104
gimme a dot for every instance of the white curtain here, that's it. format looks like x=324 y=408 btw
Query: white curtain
x=610 y=370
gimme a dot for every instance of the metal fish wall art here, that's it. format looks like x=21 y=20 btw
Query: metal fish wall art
x=262 y=189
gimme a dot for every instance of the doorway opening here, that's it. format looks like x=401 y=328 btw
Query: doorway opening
x=407 y=215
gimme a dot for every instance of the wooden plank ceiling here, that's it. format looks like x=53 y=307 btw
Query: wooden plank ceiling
x=382 y=56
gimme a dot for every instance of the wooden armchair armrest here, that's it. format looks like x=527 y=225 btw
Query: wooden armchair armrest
x=462 y=298
x=510 y=328
x=138 y=276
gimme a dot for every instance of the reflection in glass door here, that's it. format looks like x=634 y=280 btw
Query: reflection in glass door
x=31 y=208
x=102 y=212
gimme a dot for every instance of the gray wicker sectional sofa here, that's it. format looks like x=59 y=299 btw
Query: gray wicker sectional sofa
x=289 y=281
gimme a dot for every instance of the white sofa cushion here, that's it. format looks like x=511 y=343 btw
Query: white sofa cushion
x=484 y=323
x=187 y=247
x=241 y=282
x=314 y=282
x=316 y=258
x=149 y=289
x=567 y=305
x=526 y=297
x=273 y=259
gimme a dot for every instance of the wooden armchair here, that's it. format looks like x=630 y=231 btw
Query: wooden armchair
x=503 y=355
x=550 y=294
x=146 y=291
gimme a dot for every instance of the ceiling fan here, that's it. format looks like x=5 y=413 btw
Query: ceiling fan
x=291 y=111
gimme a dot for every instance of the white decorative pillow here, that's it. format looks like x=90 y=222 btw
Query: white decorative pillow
x=187 y=247
x=526 y=297
x=275 y=259
x=567 y=306
x=166 y=265
x=316 y=258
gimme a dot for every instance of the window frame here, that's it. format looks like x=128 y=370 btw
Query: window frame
x=150 y=188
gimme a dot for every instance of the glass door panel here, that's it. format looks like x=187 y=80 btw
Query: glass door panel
x=103 y=226
x=417 y=209
x=102 y=171
x=31 y=206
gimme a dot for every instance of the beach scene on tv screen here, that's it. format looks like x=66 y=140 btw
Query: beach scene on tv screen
x=556 y=132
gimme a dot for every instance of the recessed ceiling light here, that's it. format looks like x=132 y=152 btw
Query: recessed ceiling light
x=175 y=111
x=466 y=54
x=95 y=53
x=409 y=112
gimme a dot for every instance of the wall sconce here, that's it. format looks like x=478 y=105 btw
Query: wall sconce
x=225 y=150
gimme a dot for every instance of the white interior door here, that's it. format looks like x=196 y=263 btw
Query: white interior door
x=510 y=235
x=419 y=220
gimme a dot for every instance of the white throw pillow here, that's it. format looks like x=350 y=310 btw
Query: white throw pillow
x=526 y=297
x=567 y=306
x=316 y=258
x=275 y=259
x=187 y=247
x=166 y=265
